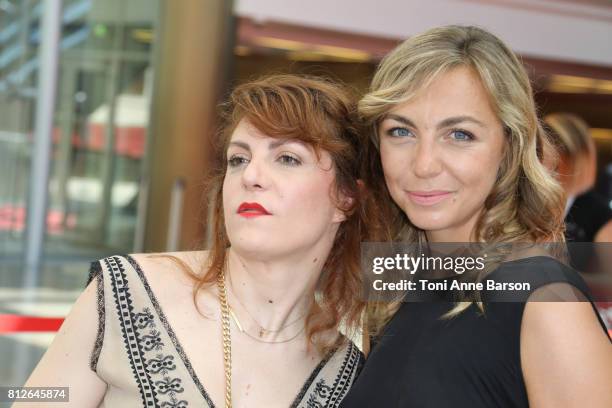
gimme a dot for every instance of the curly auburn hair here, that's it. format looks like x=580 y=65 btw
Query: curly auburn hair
x=321 y=114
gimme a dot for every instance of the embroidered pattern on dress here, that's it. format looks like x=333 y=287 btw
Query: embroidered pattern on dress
x=173 y=338
x=313 y=376
x=174 y=403
x=144 y=319
x=346 y=375
x=319 y=395
x=157 y=365
x=131 y=339
x=153 y=340
x=161 y=364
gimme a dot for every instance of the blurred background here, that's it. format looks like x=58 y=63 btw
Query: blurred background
x=107 y=108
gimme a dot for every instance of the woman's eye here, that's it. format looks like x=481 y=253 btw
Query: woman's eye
x=399 y=132
x=235 y=161
x=289 y=160
x=462 y=135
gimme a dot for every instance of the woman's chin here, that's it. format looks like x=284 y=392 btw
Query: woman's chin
x=429 y=224
x=427 y=219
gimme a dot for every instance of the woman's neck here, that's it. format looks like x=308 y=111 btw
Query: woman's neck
x=450 y=236
x=274 y=293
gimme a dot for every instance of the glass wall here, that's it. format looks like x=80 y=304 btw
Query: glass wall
x=99 y=139
x=101 y=126
x=19 y=40
x=99 y=130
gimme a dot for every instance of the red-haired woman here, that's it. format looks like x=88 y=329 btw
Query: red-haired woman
x=254 y=321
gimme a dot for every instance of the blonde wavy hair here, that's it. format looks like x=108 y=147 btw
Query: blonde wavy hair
x=526 y=202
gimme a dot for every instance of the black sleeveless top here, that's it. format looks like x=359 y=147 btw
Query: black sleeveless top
x=471 y=360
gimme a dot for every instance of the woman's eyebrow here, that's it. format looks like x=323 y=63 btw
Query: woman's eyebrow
x=400 y=118
x=238 y=143
x=448 y=122
x=455 y=120
x=273 y=145
x=277 y=143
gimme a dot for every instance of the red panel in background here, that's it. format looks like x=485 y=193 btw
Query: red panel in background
x=129 y=140
x=19 y=324
x=13 y=218
x=15 y=324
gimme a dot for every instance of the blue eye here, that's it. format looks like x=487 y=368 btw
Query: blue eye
x=462 y=135
x=399 y=132
x=289 y=160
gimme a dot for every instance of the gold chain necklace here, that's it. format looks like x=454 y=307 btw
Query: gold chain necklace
x=227 y=339
x=226 y=312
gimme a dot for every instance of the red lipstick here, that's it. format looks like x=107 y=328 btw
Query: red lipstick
x=252 y=210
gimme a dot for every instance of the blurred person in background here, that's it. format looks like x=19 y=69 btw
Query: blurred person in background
x=588 y=217
x=238 y=325
x=452 y=114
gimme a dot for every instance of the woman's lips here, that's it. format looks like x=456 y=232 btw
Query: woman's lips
x=428 y=197
x=249 y=210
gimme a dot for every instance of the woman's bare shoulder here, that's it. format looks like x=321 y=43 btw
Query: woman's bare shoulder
x=172 y=262
x=174 y=272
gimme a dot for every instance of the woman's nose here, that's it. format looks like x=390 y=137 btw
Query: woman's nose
x=254 y=175
x=426 y=162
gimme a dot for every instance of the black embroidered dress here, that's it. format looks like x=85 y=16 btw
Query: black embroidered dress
x=138 y=355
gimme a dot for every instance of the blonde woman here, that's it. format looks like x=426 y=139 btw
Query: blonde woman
x=452 y=115
x=243 y=327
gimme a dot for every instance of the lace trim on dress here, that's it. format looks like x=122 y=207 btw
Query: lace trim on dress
x=95 y=272
x=310 y=379
x=330 y=396
x=350 y=368
x=132 y=337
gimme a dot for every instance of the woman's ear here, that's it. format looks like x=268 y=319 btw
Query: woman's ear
x=346 y=203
